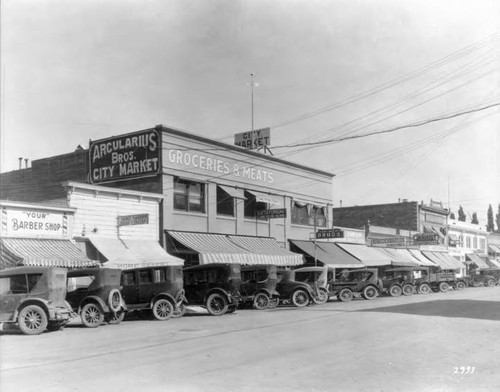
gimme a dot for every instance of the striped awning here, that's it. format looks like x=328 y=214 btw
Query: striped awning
x=127 y=254
x=371 y=257
x=477 y=260
x=494 y=248
x=328 y=253
x=442 y=262
x=223 y=248
x=422 y=260
x=42 y=252
x=400 y=257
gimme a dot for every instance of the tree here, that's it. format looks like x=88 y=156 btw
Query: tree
x=452 y=216
x=461 y=214
x=490 y=226
x=498 y=219
x=474 y=219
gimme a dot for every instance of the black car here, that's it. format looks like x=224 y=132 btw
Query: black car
x=94 y=293
x=215 y=286
x=258 y=285
x=156 y=289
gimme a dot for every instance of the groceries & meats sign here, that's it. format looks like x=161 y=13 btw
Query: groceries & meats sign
x=125 y=157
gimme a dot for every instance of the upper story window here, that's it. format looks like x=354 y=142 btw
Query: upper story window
x=306 y=214
x=189 y=196
x=252 y=205
x=482 y=243
x=474 y=242
x=467 y=242
x=225 y=202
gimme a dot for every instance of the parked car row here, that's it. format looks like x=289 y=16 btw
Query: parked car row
x=47 y=298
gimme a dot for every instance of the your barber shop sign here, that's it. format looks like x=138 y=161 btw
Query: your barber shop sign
x=34 y=223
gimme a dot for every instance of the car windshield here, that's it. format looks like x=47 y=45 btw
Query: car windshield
x=80 y=282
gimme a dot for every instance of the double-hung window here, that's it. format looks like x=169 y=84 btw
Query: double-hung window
x=189 y=196
x=252 y=205
x=306 y=214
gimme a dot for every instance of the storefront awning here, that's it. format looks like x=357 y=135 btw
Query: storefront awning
x=369 y=256
x=126 y=254
x=422 y=260
x=42 y=252
x=493 y=263
x=494 y=248
x=440 y=261
x=328 y=253
x=450 y=260
x=233 y=192
x=400 y=257
x=473 y=258
x=264 y=198
x=223 y=248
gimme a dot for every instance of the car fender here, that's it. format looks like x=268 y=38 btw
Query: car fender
x=305 y=287
x=95 y=299
x=221 y=292
x=263 y=291
x=44 y=304
x=166 y=296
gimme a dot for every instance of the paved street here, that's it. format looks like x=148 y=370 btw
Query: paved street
x=417 y=343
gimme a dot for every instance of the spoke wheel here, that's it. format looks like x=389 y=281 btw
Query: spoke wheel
x=92 y=315
x=460 y=285
x=490 y=282
x=216 y=304
x=261 y=301
x=395 y=291
x=163 y=309
x=32 y=320
x=179 y=311
x=424 y=288
x=273 y=303
x=300 y=298
x=443 y=286
x=345 y=295
x=407 y=289
x=370 y=292
x=322 y=296
x=116 y=318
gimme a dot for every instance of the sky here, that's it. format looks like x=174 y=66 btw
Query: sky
x=80 y=70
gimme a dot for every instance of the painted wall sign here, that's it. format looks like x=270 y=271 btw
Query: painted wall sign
x=128 y=220
x=253 y=140
x=219 y=166
x=125 y=157
x=35 y=223
x=393 y=240
x=429 y=238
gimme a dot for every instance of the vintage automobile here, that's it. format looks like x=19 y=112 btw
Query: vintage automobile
x=487 y=277
x=155 y=289
x=258 y=286
x=33 y=298
x=438 y=281
x=291 y=291
x=364 y=282
x=400 y=280
x=94 y=294
x=316 y=278
x=215 y=286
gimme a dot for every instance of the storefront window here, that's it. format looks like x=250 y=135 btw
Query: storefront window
x=225 y=202
x=252 y=206
x=189 y=196
x=305 y=214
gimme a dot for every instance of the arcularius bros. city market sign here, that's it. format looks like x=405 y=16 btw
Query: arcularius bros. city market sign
x=125 y=157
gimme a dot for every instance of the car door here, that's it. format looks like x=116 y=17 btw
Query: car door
x=146 y=285
x=130 y=290
x=13 y=290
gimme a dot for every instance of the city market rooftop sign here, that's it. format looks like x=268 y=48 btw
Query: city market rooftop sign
x=124 y=157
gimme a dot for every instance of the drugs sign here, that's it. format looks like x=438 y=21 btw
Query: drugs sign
x=330 y=233
x=253 y=140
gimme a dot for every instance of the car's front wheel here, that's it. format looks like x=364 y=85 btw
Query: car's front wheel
x=424 y=288
x=490 y=282
x=179 y=311
x=92 y=315
x=300 y=298
x=345 y=295
x=273 y=303
x=460 y=285
x=370 y=292
x=407 y=289
x=217 y=304
x=116 y=318
x=163 y=309
x=443 y=286
x=395 y=291
x=32 y=320
x=261 y=301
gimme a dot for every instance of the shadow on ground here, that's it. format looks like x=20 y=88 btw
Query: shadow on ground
x=484 y=310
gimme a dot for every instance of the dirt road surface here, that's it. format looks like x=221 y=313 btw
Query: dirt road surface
x=436 y=342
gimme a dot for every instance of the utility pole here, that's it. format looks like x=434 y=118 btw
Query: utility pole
x=252 y=84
